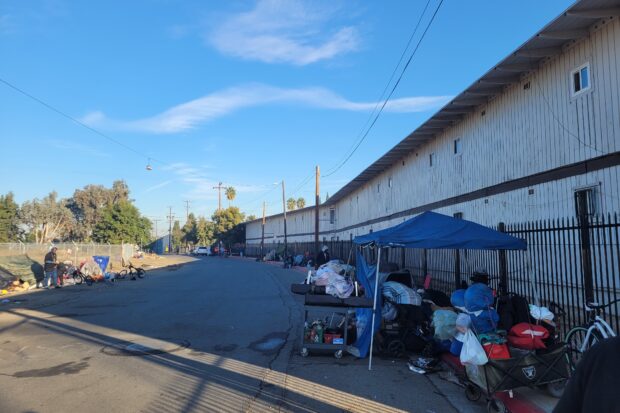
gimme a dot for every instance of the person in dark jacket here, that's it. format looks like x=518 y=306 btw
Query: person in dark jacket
x=50 y=267
x=593 y=386
x=323 y=256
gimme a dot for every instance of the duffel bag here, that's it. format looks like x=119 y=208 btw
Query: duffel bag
x=528 y=336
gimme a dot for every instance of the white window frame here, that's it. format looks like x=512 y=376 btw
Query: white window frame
x=572 y=80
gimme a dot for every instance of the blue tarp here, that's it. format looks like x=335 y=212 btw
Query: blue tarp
x=365 y=275
x=436 y=231
x=102 y=261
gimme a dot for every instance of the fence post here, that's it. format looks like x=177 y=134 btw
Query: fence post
x=586 y=257
x=457 y=269
x=424 y=263
x=503 y=265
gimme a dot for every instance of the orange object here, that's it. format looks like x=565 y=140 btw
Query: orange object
x=329 y=338
x=496 y=351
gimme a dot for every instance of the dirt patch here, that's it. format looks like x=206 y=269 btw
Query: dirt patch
x=151 y=261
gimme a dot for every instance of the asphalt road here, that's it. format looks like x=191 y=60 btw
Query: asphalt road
x=218 y=335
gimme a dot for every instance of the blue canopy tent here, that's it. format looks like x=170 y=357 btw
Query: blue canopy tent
x=428 y=230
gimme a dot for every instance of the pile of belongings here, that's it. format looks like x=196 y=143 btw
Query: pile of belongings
x=270 y=256
x=397 y=293
x=480 y=333
x=336 y=277
x=15 y=286
x=477 y=330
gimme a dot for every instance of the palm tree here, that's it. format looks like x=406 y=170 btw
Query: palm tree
x=230 y=194
x=301 y=203
x=291 y=204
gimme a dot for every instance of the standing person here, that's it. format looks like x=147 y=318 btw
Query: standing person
x=323 y=256
x=593 y=386
x=51 y=267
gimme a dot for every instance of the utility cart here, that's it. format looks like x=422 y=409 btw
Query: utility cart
x=315 y=301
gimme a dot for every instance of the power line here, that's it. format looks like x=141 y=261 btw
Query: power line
x=65 y=115
x=556 y=117
x=387 y=85
x=387 y=99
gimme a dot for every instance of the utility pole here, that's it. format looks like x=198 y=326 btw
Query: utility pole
x=219 y=188
x=262 y=237
x=316 y=210
x=284 y=207
x=170 y=218
x=187 y=210
x=156 y=221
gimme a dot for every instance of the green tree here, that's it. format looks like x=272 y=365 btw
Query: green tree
x=224 y=221
x=250 y=218
x=122 y=222
x=204 y=231
x=190 y=230
x=88 y=204
x=291 y=204
x=47 y=219
x=177 y=235
x=9 y=218
x=231 y=193
x=301 y=202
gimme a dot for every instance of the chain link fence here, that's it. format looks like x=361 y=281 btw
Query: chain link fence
x=76 y=253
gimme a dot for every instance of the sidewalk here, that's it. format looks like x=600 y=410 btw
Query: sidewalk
x=523 y=400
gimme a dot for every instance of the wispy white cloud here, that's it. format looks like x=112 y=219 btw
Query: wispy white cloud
x=200 y=184
x=284 y=31
x=195 y=112
x=75 y=147
x=158 y=186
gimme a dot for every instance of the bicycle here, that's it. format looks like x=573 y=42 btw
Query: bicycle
x=580 y=339
x=79 y=277
x=132 y=272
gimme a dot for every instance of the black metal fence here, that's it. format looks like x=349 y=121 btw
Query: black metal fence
x=567 y=260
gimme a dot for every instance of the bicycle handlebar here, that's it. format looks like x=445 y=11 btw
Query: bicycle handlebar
x=597 y=306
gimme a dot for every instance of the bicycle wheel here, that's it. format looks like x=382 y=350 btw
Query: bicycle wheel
x=122 y=274
x=78 y=279
x=575 y=343
x=140 y=272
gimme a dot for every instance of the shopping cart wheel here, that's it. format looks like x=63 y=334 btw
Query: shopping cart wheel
x=496 y=406
x=338 y=354
x=472 y=392
x=305 y=352
x=556 y=389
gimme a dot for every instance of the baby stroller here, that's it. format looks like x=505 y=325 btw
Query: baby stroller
x=409 y=330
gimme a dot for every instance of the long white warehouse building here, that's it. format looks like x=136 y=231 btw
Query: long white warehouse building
x=532 y=137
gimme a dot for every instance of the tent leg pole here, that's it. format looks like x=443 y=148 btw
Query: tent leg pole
x=374 y=311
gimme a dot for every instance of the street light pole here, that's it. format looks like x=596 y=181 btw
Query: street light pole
x=284 y=207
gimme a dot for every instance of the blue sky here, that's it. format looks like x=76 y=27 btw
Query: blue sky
x=245 y=92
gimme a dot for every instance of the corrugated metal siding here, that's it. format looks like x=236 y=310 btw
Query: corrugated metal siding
x=523 y=131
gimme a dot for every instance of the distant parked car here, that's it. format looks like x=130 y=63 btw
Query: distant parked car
x=202 y=251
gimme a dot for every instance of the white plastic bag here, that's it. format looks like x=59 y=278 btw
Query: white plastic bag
x=472 y=352
x=541 y=313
